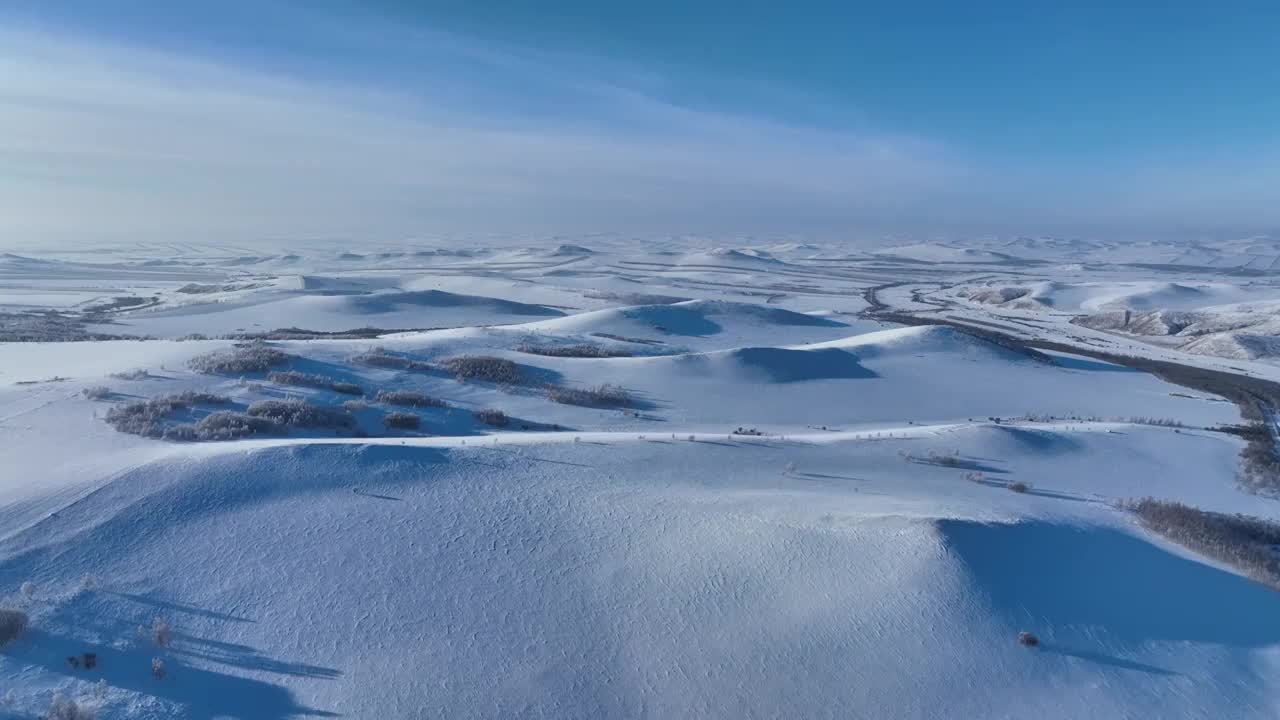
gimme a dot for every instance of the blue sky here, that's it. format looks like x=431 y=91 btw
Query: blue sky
x=388 y=119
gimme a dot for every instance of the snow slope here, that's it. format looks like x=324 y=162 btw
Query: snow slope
x=628 y=578
x=703 y=324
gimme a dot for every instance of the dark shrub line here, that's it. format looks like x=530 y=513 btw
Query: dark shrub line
x=1242 y=541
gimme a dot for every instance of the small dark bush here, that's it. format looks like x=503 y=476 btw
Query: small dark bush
x=1027 y=639
x=12 y=624
x=253 y=356
x=97 y=392
x=161 y=634
x=1018 y=486
x=496 y=418
x=131 y=375
x=484 y=367
x=945 y=459
x=61 y=708
x=402 y=420
x=409 y=398
x=599 y=396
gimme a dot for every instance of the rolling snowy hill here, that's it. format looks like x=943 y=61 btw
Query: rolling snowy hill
x=739 y=505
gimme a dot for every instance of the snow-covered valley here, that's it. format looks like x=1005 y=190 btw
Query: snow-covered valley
x=617 y=479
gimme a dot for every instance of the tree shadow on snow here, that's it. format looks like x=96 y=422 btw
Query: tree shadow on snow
x=1041 y=442
x=1037 y=492
x=1100 y=584
x=824 y=476
x=170 y=606
x=782 y=365
x=203 y=694
x=960 y=463
x=106 y=624
x=1104 y=659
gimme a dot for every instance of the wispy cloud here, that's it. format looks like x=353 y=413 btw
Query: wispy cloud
x=102 y=141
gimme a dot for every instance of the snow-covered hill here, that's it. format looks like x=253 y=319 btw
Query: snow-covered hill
x=754 y=503
x=619 y=577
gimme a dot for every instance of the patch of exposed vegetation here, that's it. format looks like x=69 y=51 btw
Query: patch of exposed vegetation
x=300 y=414
x=202 y=289
x=409 y=398
x=314 y=380
x=154 y=418
x=942 y=458
x=48 y=327
x=1259 y=466
x=606 y=395
x=246 y=357
x=222 y=425
x=1244 y=542
x=489 y=416
x=146 y=417
x=379 y=357
x=572 y=351
x=138 y=374
x=485 y=368
x=401 y=421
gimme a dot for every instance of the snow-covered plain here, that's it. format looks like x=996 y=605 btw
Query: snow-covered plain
x=861 y=556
